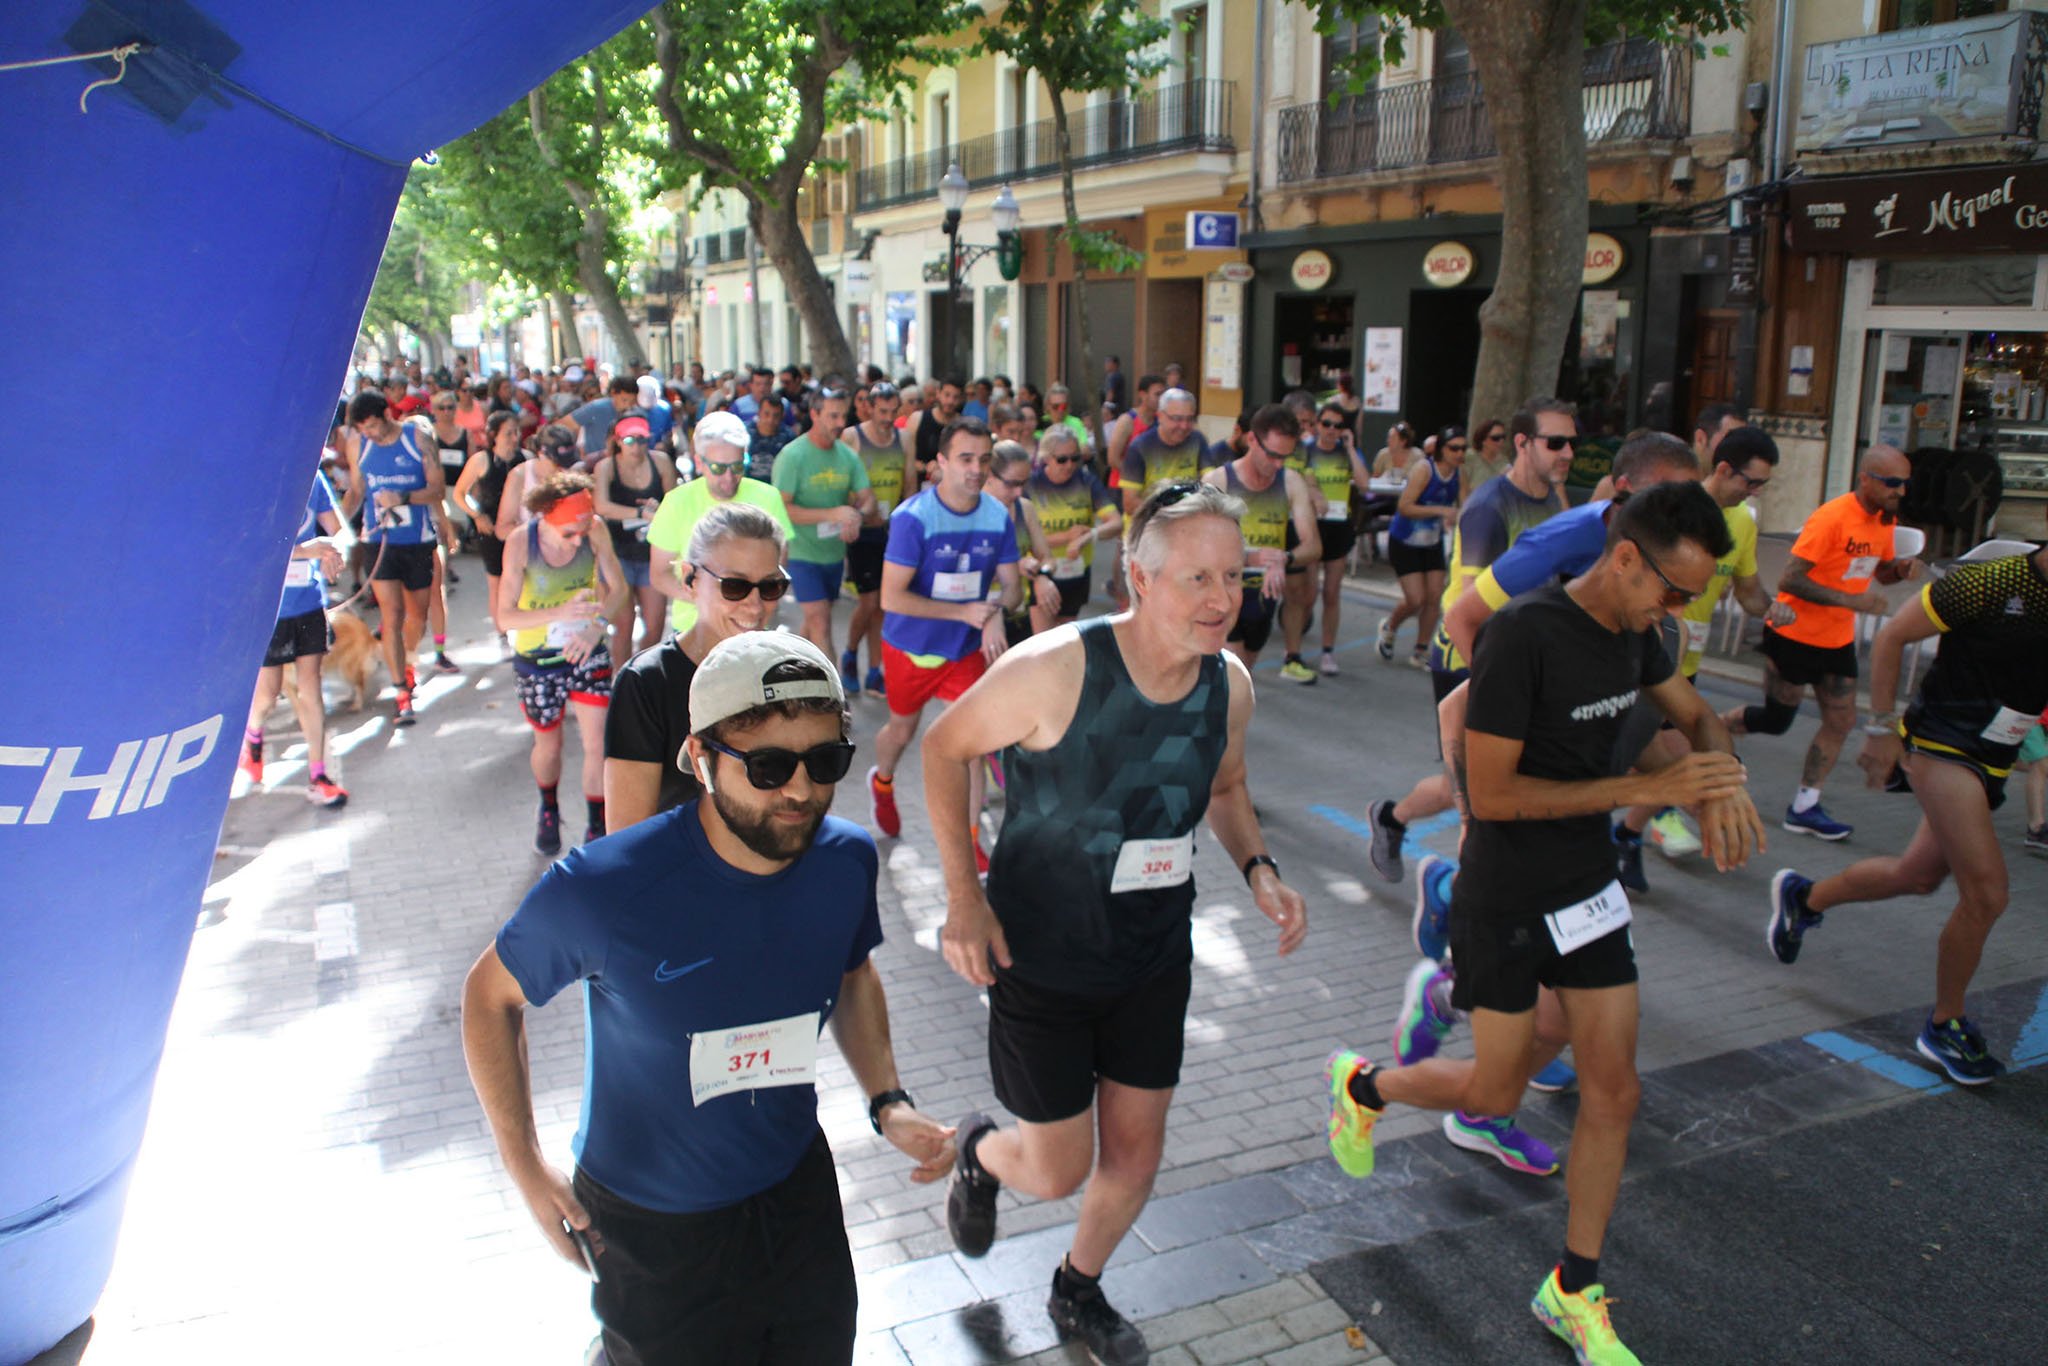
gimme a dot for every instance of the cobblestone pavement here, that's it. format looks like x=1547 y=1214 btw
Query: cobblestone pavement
x=317 y=1172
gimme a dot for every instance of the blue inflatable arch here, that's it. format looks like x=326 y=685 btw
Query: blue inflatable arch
x=187 y=259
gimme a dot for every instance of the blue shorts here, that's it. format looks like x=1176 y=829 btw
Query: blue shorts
x=816 y=582
x=636 y=572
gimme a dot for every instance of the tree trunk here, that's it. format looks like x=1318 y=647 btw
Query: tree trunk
x=566 y=340
x=597 y=283
x=1528 y=59
x=1079 y=402
x=782 y=238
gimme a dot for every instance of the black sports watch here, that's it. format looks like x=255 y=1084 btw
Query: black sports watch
x=884 y=1098
x=1255 y=861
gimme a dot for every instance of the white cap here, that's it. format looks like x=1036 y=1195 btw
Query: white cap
x=732 y=677
x=650 y=391
x=574 y=374
x=722 y=427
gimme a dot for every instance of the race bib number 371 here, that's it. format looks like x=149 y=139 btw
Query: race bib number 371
x=773 y=1053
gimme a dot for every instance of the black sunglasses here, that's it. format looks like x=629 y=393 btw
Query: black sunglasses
x=1556 y=443
x=1063 y=460
x=1330 y=426
x=1173 y=493
x=1674 y=596
x=723 y=466
x=735 y=588
x=1891 y=481
x=768 y=769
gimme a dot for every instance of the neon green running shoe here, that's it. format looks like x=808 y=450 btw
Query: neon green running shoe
x=1350 y=1123
x=1581 y=1320
x=1672 y=835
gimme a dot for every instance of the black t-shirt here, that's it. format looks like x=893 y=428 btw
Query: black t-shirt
x=1546 y=673
x=649 y=718
x=1991 y=674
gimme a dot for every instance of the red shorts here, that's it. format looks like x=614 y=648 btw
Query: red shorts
x=910 y=685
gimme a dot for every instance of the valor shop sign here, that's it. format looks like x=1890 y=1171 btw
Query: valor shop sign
x=1984 y=208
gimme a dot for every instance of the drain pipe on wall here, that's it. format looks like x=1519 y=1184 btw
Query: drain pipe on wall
x=1260 y=20
x=1782 y=115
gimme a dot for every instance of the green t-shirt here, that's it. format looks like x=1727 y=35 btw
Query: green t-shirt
x=811 y=478
x=682 y=507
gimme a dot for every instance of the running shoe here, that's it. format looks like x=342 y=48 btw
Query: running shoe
x=1350 y=1123
x=874 y=684
x=971 y=1200
x=412 y=679
x=1110 y=1338
x=1433 y=907
x=444 y=665
x=324 y=791
x=1581 y=1320
x=2036 y=841
x=1558 y=1076
x=1958 y=1049
x=449 y=575
x=595 y=830
x=1498 y=1137
x=1387 y=834
x=402 y=708
x=1419 y=660
x=849 y=672
x=1329 y=665
x=1294 y=671
x=547 y=832
x=1426 y=1015
x=1790 y=920
x=1386 y=640
x=1815 y=821
x=1628 y=858
x=251 y=765
x=1673 y=834
x=882 y=801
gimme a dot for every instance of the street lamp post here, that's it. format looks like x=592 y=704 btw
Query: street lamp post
x=961 y=256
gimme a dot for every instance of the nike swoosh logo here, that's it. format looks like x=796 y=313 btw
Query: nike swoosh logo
x=665 y=973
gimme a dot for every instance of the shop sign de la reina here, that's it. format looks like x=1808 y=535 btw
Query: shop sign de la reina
x=1985 y=208
x=1930 y=83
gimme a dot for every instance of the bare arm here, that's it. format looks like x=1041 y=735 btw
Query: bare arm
x=860 y=1025
x=1499 y=791
x=1730 y=831
x=1798 y=581
x=494 y=1045
x=1236 y=825
x=1303 y=507
x=632 y=790
x=467 y=480
x=1418 y=482
x=512 y=503
x=900 y=598
x=1751 y=596
x=1463 y=621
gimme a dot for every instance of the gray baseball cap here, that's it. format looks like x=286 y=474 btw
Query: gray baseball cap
x=733 y=677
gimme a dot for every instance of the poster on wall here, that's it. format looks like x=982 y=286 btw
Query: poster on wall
x=1599 y=310
x=1892 y=420
x=1223 y=335
x=1381 y=391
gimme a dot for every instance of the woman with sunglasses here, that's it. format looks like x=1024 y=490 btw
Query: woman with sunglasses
x=1009 y=477
x=630 y=482
x=481 y=489
x=733 y=571
x=1075 y=510
x=1415 y=542
x=1490 y=443
x=562 y=584
x=1334 y=469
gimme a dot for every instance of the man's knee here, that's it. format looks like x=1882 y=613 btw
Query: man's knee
x=1772 y=718
x=1609 y=1100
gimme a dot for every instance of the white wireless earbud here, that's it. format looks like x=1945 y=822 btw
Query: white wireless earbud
x=704 y=774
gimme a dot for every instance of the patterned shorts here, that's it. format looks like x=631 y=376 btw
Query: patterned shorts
x=546 y=691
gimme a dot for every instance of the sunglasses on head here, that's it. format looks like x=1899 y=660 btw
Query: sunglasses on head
x=768 y=769
x=1674 y=596
x=735 y=589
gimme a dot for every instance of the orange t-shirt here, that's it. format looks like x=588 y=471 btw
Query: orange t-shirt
x=1845 y=543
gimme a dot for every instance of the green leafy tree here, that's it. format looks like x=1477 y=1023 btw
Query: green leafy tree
x=1077 y=47
x=747 y=92
x=1529 y=56
x=419 y=280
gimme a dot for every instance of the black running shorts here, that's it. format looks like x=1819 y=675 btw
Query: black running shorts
x=299 y=636
x=410 y=565
x=1338 y=538
x=1501 y=963
x=864 y=564
x=1405 y=559
x=1046 y=1049
x=1255 y=613
x=767 y=1279
x=1805 y=664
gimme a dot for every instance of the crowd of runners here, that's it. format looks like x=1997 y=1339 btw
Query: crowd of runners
x=1079 y=604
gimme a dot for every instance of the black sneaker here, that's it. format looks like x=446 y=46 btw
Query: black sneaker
x=971 y=1202
x=1790 y=919
x=1087 y=1314
x=1387 y=834
x=547 y=831
x=1628 y=859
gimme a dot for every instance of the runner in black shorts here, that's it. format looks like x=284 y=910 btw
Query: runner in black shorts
x=482 y=486
x=1083 y=936
x=1537 y=902
x=1279 y=521
x=1334 y=468
x=1957 y=743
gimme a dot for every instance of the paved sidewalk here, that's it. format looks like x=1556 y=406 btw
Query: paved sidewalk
x=318 y=1184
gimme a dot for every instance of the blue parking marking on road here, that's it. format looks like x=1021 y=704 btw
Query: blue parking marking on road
x=1892 y=1069
x=2032 y=1048
x=1410 y=847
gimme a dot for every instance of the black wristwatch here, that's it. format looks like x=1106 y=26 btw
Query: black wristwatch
x=876 y=1102
x=1255 y=861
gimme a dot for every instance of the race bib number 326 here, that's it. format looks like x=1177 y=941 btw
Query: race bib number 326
x=773 y=1053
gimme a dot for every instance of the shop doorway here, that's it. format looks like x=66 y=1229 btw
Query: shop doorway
x=1173 y=329
x=1711 y=378
x=1443 y=348
x=1112 y=328
x=1316 y=340
x=951 y=317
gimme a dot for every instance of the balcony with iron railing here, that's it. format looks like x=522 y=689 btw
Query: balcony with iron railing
x=1193 y=116
x=1634 y=90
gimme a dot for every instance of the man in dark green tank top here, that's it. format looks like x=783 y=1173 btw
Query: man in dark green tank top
x=1118 y=735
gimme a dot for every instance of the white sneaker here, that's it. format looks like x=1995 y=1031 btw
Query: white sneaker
x=1329 y=665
